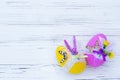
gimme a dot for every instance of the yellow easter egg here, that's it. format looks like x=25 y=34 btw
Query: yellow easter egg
x=111 y=55
x=77 y=68
x=62 y=55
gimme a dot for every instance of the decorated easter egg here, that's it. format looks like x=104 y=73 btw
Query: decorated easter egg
x=96 y=55
x=72 y=63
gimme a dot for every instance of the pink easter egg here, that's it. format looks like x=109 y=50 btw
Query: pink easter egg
x=91 y=59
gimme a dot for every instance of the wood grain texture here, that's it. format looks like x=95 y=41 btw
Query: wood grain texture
x=30 y=31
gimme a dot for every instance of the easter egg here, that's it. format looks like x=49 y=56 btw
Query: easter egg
x=95 y=43
x=62 y=55
x=65 y=60
x=77 y=67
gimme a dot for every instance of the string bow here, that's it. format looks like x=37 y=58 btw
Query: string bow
x=101 y=52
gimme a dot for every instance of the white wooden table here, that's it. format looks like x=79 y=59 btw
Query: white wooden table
x=30 y=31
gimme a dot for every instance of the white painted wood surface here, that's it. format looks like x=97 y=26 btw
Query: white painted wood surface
x=30 y=31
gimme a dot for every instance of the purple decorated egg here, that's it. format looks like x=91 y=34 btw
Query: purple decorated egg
x=95 y=53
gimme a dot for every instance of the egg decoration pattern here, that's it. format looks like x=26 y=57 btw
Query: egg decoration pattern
x=97 y=50
x=70 y=58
